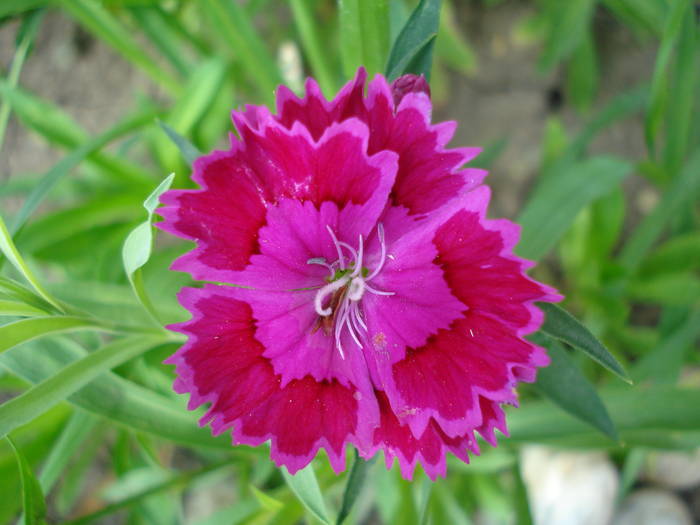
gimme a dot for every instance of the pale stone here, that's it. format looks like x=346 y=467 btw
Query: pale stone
x=569 y=488
x=653 y=507
x=674 y=470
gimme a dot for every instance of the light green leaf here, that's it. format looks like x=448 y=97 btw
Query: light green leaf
x=559 y=198
x=565 y=385
x=673 y=289
x=563 y=326
x=451 y=46
x=235 y=29
x=32 y=497
x=139 y=244
x=8 y=248
x=582 y=73
x=18 y=332
x=412 y=51
x=99 y=21
x=305 y=486
x=14 y=7
x=69 y=441
x=313 y=44
x=40 y=398
x=19 y=309
x=112 y=397
x=680 y=254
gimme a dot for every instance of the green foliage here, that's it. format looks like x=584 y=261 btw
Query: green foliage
x=81 y=363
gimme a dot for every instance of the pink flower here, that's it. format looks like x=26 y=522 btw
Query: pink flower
x=374 y=303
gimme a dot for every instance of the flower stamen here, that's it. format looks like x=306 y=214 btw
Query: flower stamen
x=346 y=287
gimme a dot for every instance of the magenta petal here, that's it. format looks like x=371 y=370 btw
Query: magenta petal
x=222 y=364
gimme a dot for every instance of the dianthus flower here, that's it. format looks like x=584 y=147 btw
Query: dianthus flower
x=361 y=296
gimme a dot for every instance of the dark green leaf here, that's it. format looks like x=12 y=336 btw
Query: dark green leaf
x=356 y=481
x=561 y=325
x=32 y=497
x=565 y=385
x=412 y=52
x=567 y=23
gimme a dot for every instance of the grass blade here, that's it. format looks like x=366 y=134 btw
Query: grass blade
x=112 y=397
x=8 y=248
x=313 y=45
x=32 y=497
x=43 y=396
x=565 y=385
x=17 y=332
x=683 y=189
x=556 y=201
x=356 y=481
x=563 y=326
x=305 y=485
x=189 y=152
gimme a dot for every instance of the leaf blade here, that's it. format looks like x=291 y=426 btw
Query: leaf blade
x=563 y=326
x=305 y=486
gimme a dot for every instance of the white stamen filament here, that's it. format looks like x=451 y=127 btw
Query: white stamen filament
x=348 y=313
x=324 y=292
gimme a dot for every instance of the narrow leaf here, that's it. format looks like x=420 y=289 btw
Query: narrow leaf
x=32 y=497
x=8 y=248
x=561 y=325
x=305 y=486
x=40 y=398
x=557 y=200
x=187 y=149
x=413 y=49
x=356 y=481
x=25 y=330
x=565 y=385
x=112 y=397
x=684 y=188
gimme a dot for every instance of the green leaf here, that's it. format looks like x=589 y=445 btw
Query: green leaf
x=305 y=486
x=684 y=188
x=450 y=46
x=350 y=36
x=558 y=199
x=112 y=397
x=14 y=7
x=25 y=330
x=26 y=37
x=179 y=480
x=19 y=309
x=40 y=398
x=679 y=289
x=659 y=81
x=567 y=23
x=412 y=51
x=8 y=248
x=99 y=21
x=63 y=167
x=233 y=26
x=582 y=73
x=138 y=246
x=313 y=44
x=565 y=385
x=187 y=150
x=664 y=363
x=356 y=481
x=637 y=412
x=563 y=326
x=69 y=441
x=679 y=254
x=642 y=15
x=32 y=498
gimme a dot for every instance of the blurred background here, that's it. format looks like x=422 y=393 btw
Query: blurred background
x=588 y=114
